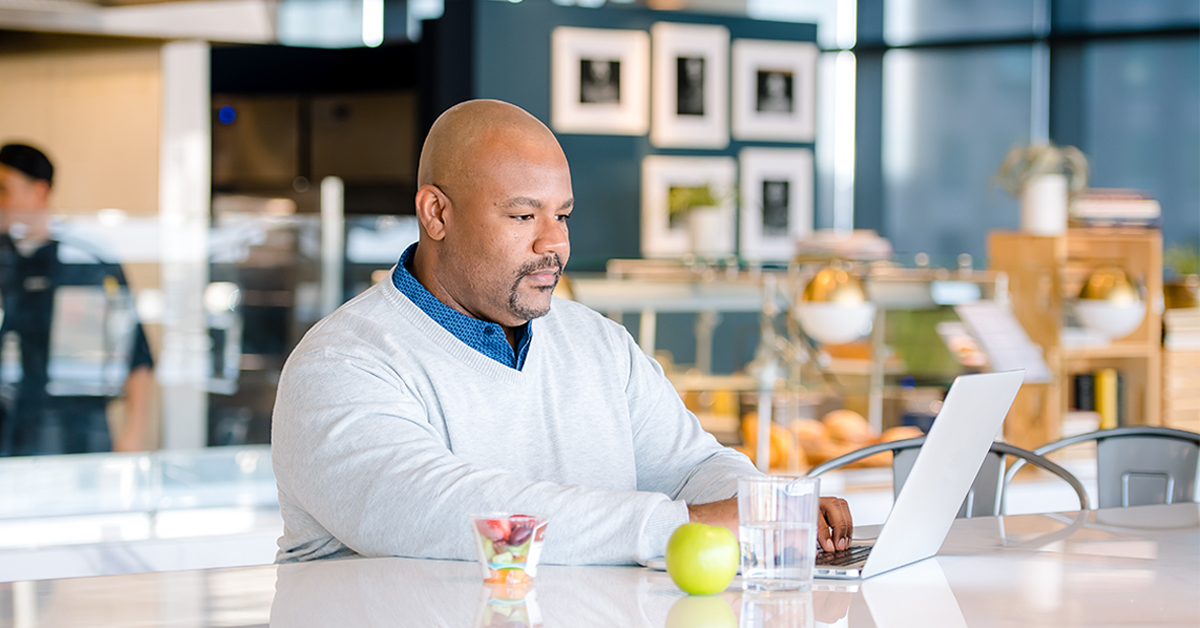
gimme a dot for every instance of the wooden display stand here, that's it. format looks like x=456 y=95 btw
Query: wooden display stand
x=1044 y=272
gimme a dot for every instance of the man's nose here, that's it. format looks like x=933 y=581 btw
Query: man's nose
x=551 y=237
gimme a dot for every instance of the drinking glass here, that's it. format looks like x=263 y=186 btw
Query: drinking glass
x=777 y=529
x=777 y=609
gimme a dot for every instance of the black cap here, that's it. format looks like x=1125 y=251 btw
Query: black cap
x=28 y=160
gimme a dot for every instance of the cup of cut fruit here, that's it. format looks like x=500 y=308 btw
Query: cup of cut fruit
x=508 y=546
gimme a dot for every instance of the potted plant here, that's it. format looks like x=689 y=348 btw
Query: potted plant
x=1043 y=177
x=699 y=207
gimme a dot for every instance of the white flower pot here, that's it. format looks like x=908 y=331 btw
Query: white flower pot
x=705 y=225
x=1044 y=205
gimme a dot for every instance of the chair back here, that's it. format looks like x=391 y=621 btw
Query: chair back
x=983 y=500
x=986 y=497
x=1147 y=469
x=1139 y=465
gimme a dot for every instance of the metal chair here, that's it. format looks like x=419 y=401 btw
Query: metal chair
x=987 y=491
x=1139 y=465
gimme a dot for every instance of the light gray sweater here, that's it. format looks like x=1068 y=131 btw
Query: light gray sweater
x=388 y=432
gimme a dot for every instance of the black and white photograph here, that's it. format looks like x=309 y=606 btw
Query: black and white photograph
x=689 y=81
x=600 y=81
x=774 y=90
x=688 y=206
x=776 y=203
x=690 y=71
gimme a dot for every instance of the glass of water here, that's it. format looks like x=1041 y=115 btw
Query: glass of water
x=777 y=529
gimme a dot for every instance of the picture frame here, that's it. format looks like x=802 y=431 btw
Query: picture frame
x=774 y=90
x=689 y=104
x=599 y=81
x=663 y=237
x=776 y=204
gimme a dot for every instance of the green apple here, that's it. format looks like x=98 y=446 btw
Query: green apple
x=702 y=559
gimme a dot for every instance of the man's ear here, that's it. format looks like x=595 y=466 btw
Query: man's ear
x=431 y=208
x=42 y=189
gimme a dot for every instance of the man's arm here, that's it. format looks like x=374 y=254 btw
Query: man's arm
x=353 y=450
x=674 y=450
x=137 y=402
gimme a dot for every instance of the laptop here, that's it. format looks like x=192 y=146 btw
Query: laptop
x=942 y=475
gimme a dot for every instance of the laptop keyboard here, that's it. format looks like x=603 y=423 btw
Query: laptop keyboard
x=841 y=558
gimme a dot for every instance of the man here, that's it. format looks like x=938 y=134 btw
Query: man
x=462 y=386
x=41 y=277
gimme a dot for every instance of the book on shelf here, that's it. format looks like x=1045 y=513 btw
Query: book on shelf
x=1117 y=223
x=1115 y=204
x=1110 y=398
x=1182 y=329
x=1084 y=392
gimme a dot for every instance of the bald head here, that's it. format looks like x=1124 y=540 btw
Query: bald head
x=493 y=199
x=466 y=135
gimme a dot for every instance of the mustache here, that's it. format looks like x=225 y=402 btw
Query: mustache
x=549 y=261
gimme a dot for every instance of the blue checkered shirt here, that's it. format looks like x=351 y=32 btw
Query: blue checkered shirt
x=483 y=336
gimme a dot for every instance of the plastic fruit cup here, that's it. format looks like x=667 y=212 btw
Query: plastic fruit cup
x=508 y=546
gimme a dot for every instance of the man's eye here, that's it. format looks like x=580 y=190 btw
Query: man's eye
x=564 y=217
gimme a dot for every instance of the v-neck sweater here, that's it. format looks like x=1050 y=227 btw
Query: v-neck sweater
x=388 y=432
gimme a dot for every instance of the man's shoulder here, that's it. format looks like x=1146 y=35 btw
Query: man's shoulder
x=575 y=317
x=356 y=322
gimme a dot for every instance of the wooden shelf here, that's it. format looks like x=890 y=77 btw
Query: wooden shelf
x=1044 y=273
x=1111 y=351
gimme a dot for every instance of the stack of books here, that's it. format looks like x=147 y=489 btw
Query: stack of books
x=1110 y=207
x=1181 y=369
x=1183 y=329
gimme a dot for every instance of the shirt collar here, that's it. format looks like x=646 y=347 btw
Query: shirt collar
x=484 y=336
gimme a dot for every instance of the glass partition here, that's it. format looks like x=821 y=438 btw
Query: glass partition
x=87 y=377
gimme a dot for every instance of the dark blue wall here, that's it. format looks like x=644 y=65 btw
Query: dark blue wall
x=510 y=60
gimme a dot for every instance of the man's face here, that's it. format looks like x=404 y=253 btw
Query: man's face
x=21 y=197
x=506 y=236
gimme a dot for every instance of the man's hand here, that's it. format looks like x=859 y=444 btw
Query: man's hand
x=834 y=526
x=132 y=436
x=722 y=513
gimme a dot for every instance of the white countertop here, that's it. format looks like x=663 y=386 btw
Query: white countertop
x=1134 y=566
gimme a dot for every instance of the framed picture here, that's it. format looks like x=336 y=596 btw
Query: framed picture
x=599 y=81
x=670 y=234
x=776 y=201
x=774 y=90
x=689 y=99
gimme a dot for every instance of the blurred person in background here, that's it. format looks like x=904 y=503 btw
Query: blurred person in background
x=69 y=339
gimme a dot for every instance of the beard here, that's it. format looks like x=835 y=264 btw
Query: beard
x=517 y=302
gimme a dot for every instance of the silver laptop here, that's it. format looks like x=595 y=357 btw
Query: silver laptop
x=942 y=475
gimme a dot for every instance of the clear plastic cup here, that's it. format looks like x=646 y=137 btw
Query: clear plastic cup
x=777 y=529
x=508 y=546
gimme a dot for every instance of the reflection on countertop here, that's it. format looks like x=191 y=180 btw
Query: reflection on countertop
x=1134 y=566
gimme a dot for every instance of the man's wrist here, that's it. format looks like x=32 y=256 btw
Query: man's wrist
x=663 y=521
